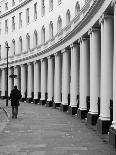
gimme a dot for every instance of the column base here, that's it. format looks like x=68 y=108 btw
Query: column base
x=82 y=114
x=112 y=136
x=3 y=97
x=55 y=105
x=49 y=104
x=63 y=107
x=29 y=100
x=72 y=110
x=92 y=119
x=23 y=99
x=103 y=126
x=35 y=101
x=42 y=102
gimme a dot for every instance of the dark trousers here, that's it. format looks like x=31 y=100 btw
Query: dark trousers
x=14 y=111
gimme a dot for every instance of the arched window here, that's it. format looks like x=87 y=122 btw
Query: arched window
x=35 y=39
x=20 y=44
x=13 y=47
x=51 y=30
x=51 y=5
x=68 y=17
x=43 y=35
x=77 y=8
x=59 y=24
x=28 y=41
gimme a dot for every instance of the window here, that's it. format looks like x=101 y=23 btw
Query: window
x=13 y=23
x=51 y=30
x=43 y=35
x=20 y=44
x=0 y=9
x=28 y=41
x=13 y=47
x=0 y=51
x=6 y=26
x=13 y=2
x=59 y=2
x=68 y=17
x=35 y=11
x=77 y=9
x=27 y=15
x=35 y=39
x=42 y=7
x=20 y=20
x=0 y=28
x=51 y=5
x=6 y=6
x=59 y=24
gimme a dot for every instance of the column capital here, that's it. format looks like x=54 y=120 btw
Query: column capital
x=93 y=29
x=90 y=31
x=104 y=16
x=57 y=53
x=74 y=45
x=113 y=3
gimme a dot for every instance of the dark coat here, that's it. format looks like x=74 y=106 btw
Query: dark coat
x=15 y=97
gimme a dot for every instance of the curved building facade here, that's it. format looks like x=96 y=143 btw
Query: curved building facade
x=64 y=55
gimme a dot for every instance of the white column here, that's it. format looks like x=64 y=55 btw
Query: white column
x=107 y=68
x=57 y=81
x=95 y=57
x=114 y=71
x=37 y=79
x=3 y=82
x=75 y=63
x=43 y=78
x=30 y=80
x=10 y=80
x=84 y=73
x=65 y=76
x=16 y=80
x=50 y=78
x=23 y=80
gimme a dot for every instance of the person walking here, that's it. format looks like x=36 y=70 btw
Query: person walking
x=15 y=97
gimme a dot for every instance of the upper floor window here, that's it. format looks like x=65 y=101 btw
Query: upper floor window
x=28 y=41
x=6 y=26
x=51 y=5
x=35 y=11
x=51 y=30
x=43 y=35
x=0 y=9
x=77 y=9
x=13 y=23
x=59 y=2
x=0 y=51
x=35 y=39
x=13 y=2
x=20 y=44
x=0 y=28
x=20 y=20
x=27 y=15
x=6 y=6
x=42 y=7
x=68 y=17
x=59 y=24
x=13 y=47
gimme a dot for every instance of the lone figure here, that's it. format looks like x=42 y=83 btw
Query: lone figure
x=15 y=97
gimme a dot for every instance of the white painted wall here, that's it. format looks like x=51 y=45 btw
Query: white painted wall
x=58 y=10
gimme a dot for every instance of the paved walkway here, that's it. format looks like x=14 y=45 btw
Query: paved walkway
x=40 y=130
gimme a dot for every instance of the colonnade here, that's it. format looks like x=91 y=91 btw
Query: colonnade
x=80 y=79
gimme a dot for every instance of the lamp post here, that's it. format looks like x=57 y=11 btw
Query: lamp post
x=7 y=47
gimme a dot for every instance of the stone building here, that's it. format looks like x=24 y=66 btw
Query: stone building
x=64 y=55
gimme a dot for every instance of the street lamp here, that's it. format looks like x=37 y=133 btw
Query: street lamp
x=7 y=47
